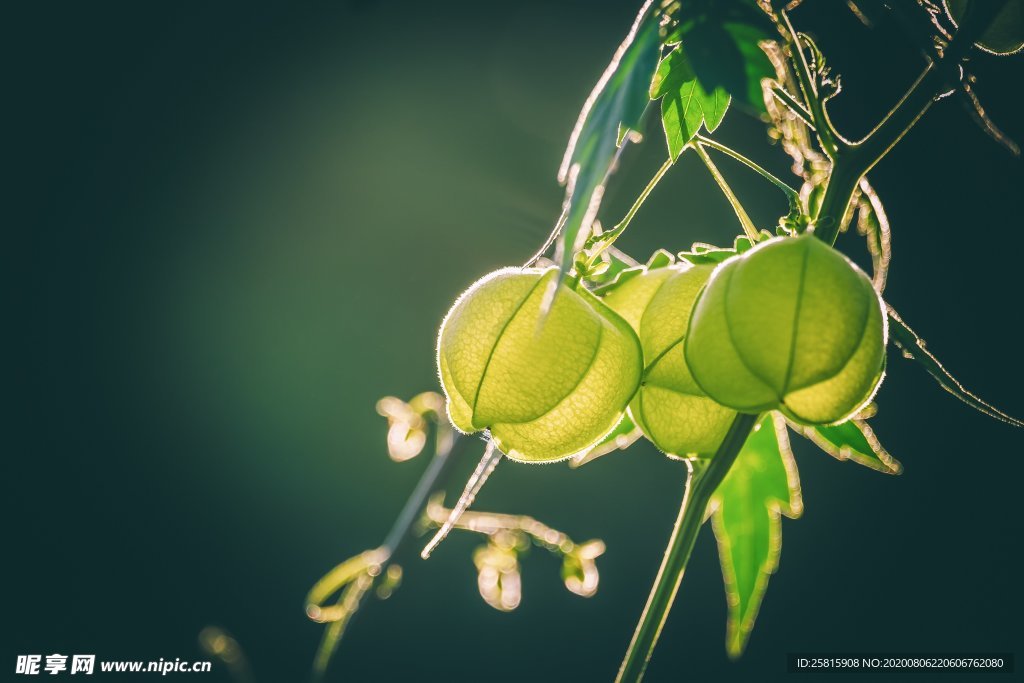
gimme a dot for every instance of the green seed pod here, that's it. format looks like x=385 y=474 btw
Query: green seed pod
x=546 y=386
x=791 y=325
x=669 y=408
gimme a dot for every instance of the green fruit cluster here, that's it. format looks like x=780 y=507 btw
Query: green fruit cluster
x=549 y=370
x=671 y=410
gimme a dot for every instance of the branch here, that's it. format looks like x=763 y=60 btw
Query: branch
x=599 y=243
x=791 y=194
x=863 y=155
x=748 y=225
x=831 y=142
x=356 y=576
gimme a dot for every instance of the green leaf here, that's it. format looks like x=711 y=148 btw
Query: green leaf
x=761 y=485
x=615 y=107
x=631 y=269
x=661 y=258
x=913 y=347
x=852 y=440
x=686 y=105
x=617 y=262
x=729 y=56
x=1005 y=35
x=701 y=253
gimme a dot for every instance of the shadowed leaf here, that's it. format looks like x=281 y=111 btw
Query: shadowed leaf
x=686 y=105
x=728 y=56
x=615 y=107
x=1005 y=35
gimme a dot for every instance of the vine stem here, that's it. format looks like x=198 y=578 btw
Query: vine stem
x=608 y=239
x=853 y=162
x=700 y=486
x=748 y=225
x=831 y=142
x=791 y=194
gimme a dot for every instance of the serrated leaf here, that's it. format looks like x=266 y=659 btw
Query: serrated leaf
x=616 y=105
x=728 y=55
x=623 y=277
x=630 y=268
x=661 y=258
x=852 y=440
x=617 y=263
x=761 y=485
x=913 y=347
x=701 y=253
x=685 y=104
x=1005 y=35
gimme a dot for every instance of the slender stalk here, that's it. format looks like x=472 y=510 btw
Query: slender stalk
x=748 y=225
x=432 y=480
x=606 y=240
x=699 y=489
x=831 y=142
x=783 y=96
x=791 y=194
x=450 y=446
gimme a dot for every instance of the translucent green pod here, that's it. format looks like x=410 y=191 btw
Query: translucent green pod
x=671 y=410
x=791 y=325
x=545 y=385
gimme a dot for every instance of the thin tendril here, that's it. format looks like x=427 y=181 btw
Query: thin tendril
x=748 y=225
x=791 y=194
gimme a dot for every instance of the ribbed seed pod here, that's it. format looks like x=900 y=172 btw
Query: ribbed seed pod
x=669 y=408
x=546 y=386
x=791 y=325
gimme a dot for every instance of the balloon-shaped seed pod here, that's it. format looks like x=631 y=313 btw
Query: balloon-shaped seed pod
x=671 y=410
x=545 y=384
x=791 y=325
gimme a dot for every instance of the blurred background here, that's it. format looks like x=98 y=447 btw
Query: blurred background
x=235 y=227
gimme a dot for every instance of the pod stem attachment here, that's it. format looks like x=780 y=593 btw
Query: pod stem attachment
x=700 y=485
x=491 y=457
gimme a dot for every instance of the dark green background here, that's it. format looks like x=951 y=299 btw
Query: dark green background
x=235 y=227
